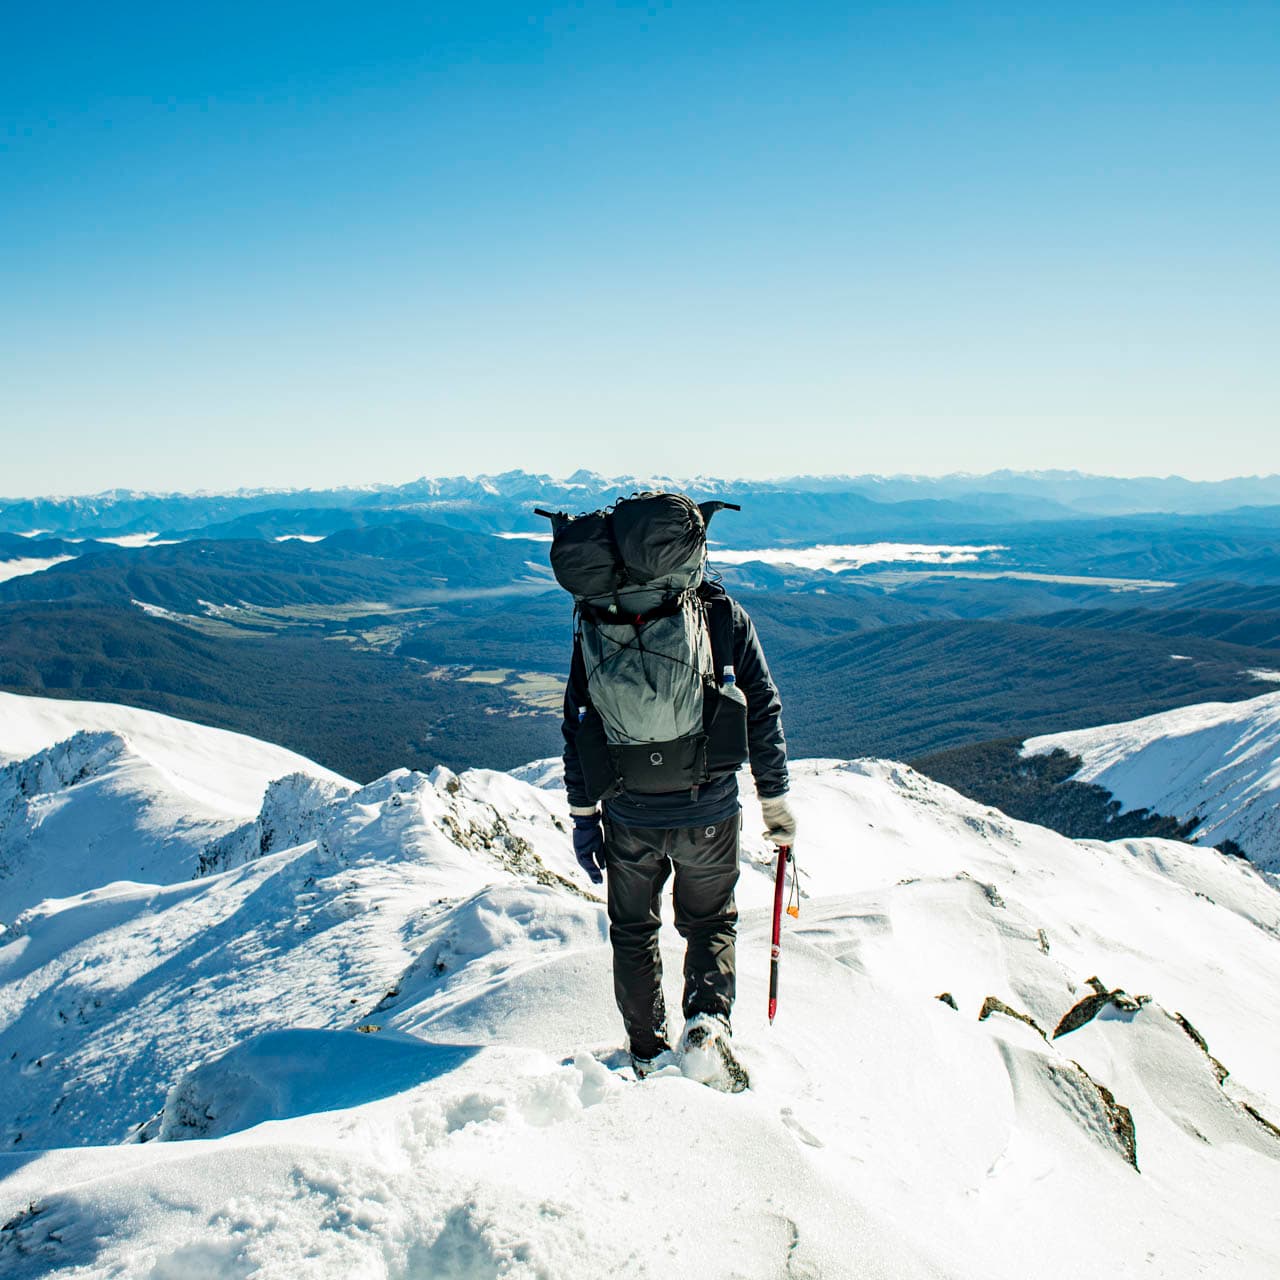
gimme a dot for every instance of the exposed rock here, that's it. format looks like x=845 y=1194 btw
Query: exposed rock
x=993 y=1004
x=29 y=1235
x=1087 y=1009
x=1222 y=1073
x=1272 y=1129
x=1218 y=1069
x=1119 y=1117
x=1084 y=1011
x=947 y=998
x=293 y=811
x=513 y=852
x=989 y=891
x=442 y=777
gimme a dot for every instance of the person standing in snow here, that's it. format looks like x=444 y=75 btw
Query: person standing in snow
x=640 y=839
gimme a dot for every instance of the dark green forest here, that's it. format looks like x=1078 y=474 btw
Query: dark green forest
x=357 y=711
x=902 y=692
x=1040 y=789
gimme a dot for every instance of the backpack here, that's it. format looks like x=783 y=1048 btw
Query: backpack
x=658 y=718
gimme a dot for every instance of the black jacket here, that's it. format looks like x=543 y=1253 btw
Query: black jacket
x=733 y=643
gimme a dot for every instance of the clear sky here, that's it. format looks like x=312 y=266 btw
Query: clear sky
x=324 y=243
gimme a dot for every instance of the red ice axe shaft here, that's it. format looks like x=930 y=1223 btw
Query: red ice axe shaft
x=775 y=952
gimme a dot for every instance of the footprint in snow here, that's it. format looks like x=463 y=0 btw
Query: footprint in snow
x=789 y=1119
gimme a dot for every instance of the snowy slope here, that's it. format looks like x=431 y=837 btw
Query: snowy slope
x=227 y=771
x=111 y=793
x=1216 y=761
x=486 y=1128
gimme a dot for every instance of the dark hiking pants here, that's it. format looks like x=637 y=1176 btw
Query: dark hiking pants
x=638 y=861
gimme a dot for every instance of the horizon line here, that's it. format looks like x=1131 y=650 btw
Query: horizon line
x=118 y=492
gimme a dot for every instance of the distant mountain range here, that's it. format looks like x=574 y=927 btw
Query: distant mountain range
x=504 y=501
x=420 y=623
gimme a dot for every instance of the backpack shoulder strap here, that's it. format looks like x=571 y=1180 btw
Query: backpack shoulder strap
x=718 y=610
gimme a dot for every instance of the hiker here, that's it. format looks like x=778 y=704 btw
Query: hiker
x=654 y=642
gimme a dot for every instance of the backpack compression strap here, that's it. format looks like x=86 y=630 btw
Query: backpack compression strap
x=614 y=616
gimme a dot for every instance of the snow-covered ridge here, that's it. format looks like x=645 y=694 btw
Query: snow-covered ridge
x=225 y=770
x=1218 y=762
x=111 y=793
x=89 y=810
x=482 y=1124
x=83 y=756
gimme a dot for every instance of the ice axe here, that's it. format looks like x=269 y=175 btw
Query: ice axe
x=793 y=909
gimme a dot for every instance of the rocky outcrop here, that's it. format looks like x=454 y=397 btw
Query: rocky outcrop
x=993 y=1004
x=1222 y=1073
x=1119 y=1118
x=1084 y=1011
x=1218 y=1069
x=292 y=813
x=66 y=764
x=989 y=891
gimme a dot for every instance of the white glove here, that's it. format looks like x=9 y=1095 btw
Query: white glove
x=779 y=821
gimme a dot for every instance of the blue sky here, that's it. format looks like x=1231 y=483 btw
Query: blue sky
x=286 y=244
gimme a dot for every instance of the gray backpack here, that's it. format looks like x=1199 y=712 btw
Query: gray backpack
x=658 y=718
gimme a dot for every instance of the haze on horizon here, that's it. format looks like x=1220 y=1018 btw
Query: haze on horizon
x=304 y=246
x=1000 y=481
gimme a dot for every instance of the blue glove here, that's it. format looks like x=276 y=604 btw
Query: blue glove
x=588 y=845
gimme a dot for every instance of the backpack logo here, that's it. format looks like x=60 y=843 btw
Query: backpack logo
x=655 y=757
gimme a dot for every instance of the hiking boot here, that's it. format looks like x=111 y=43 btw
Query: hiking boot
x=706 y=1053
x=661 y=1061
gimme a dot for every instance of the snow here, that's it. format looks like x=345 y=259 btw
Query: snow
x=301 y=537
x=87 y=812
x=837 y=558
x=226 y=771
x=139 y=540
x=183 y=1064
x=216 y=610
x=1215 y=761
x=153 y=800
x=155 y=610
x=531 y=537
x=297 y=1071
x=1260 y=673
x=29 y=564
x=1063 y=579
